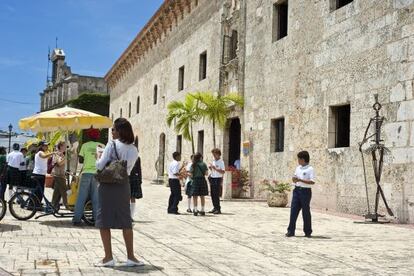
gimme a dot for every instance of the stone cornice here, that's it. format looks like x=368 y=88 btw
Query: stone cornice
x=157 y=28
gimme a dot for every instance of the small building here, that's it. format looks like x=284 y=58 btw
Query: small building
x=65 y=85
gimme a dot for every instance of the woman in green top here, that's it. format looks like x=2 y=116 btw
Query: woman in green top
x=3 y=171
x=199 y=187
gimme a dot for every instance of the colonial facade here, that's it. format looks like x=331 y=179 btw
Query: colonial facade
x=65 y=85
x=308 y=71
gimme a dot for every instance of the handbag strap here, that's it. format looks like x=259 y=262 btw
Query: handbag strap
x=116 y=152
x=201 y=170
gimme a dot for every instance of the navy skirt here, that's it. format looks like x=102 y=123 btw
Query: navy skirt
x=113 y=208
x=199 y=186
x=188 y=188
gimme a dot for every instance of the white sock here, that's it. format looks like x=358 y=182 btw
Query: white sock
x=195 y=208
x=202 y=208
x=189 y=203
x=132 y=209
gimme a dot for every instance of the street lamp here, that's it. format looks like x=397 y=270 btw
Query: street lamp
x=10 y=131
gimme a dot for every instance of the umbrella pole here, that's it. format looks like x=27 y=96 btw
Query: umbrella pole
x=66 y=151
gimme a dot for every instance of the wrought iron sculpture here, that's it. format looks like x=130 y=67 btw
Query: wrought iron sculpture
x=377 y=150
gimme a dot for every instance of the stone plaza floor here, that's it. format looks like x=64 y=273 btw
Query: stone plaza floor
x=247 y=239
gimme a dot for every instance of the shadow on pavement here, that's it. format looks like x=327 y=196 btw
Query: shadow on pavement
x=317 y=237
x=9 y=228
x=139 y=269
x=4 y=272
x=63 y=224
x=142 y=221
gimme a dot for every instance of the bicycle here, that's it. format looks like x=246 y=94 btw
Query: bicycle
x=24 y=205
x=3 y=208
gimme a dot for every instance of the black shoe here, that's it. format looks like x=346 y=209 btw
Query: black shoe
x=195 y=213
x=174 y=213
x=217 y=212
x=76 y=223
x=308 y=235
x=289 y=235
x=212 y=211
x=202 y=213
x=189 y=210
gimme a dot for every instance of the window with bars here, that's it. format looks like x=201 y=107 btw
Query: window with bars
x=181 y=78
x=339 y=126
x=203 y=66
x=200 y=144
x=234 y=43
x=179 y=144
x=277 y=139
x=337 y=4
x=155 y=96
x=280 y=20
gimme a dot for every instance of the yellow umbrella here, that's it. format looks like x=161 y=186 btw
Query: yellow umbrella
x=65 y=118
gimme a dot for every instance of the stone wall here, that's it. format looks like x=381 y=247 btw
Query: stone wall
x=332 y=57
x=182 y=47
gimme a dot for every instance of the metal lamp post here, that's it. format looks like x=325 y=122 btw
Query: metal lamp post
x=10 y=131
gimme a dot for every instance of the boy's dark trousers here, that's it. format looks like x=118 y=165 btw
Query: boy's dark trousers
x=175 y=196
x=301 y=201
x=215 y=189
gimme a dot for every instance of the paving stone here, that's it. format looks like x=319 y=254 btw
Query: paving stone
x=248 y=239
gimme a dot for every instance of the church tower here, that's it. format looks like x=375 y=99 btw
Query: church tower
x=58 y=62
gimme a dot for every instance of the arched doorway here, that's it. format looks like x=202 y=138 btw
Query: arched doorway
x=161 y=157
x=234 y=141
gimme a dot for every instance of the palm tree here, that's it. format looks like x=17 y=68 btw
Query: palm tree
x=184 y=114
x=216 y=108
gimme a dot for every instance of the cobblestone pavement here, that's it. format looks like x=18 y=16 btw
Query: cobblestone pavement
x=247 y=239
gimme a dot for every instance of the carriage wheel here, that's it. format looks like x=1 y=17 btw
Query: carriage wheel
x=88 y=214
x=3 y=208
x=22 y=205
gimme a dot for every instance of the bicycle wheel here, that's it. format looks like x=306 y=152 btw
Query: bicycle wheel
x=88 y=214
x=3 y=208
x=22 y=205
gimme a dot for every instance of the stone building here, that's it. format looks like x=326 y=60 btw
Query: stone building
x=65 y=85
x=307 y=70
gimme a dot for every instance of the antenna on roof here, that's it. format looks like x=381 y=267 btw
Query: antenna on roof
x=56 y=42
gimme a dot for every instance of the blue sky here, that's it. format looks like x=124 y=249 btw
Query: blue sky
x=93 y=33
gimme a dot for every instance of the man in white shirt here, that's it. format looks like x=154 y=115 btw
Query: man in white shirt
x=174 y=183
x=15 y=159
x=237 y=164
x=216 y=179
x=302 y=194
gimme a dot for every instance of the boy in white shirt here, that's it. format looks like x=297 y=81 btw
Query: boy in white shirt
x=302 y=194
x=174 y=183
x=216 y=179
x=15 y=159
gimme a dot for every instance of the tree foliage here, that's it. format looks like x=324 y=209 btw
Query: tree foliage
x=184 y=115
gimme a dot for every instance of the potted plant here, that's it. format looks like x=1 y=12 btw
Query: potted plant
x=277 y=192
x=244 y=184
x=240 y=183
